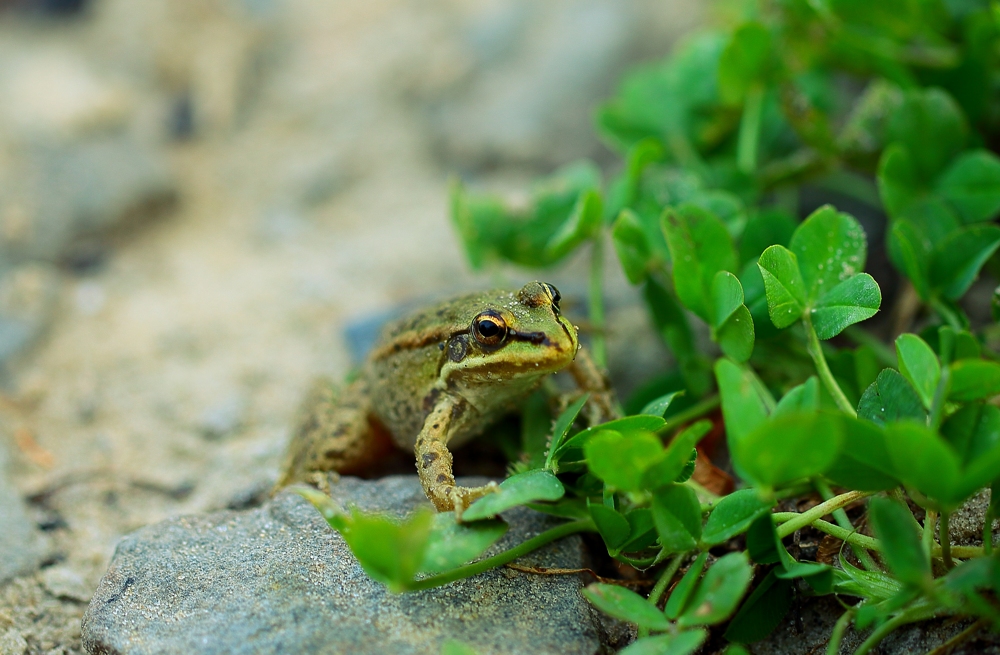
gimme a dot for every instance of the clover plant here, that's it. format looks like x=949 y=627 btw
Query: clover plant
x=726 y=146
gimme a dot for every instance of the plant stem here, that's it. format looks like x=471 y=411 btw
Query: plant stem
x=945 y=540
x=840 y=516
x=661 y=585
x=550 y=535
x=803 y=519
x=911 y=615
x=749 y=136
x=815 y=350
x=850 y=536
x=937 y=405
x=699 y=409
x=930 y=516
x=596 y=302
x=837 y=635
x=961 y=552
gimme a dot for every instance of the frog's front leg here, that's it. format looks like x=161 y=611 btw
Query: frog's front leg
x=603 y=404
x=434 y=461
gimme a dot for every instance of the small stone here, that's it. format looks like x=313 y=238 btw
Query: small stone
x=278 y=579
x=65 y=583
x=12 y=643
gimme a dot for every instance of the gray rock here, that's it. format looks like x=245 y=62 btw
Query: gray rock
x=65 y=583
x=58 y=195
x=277 y=579
x=22 y=547
x=28 y=298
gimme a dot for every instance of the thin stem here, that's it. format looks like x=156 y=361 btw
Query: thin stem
x=596 y=302
x=837 y=635
x=851 y=537
x=945 y=540
x=806 y=518
x=911 y=615
x=749 y=136
x=816 y=352
x=988 y=532
x=930 y=517
x=840 y=516
x=946 y=313
x=699 y=409
x=960 y=638
x=550 y=535
x=961 y=552
x=937 y=405
x=661 y=585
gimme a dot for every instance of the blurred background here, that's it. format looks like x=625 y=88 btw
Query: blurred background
x=199 y=197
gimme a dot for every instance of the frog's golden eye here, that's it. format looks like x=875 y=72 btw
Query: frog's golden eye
x=553 y=294
x=489 y=328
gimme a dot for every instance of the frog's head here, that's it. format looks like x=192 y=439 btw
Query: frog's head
x=515 y=335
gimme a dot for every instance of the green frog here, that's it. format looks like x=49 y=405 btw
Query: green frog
x=437 y=378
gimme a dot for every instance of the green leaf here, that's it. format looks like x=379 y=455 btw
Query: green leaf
x=681 y=595
x=830 y=247
x=719 y=592
x=890 y=398
x=683 y=643
x=802 y=398
x=764 y=228
x=677 y=516
x=642 y=531
x=452 y=544
x=612 y=526
x=899 y=183
x=955 y=262
x=919 y=365
x=732 y=325
x=518 y=489
x=974 y=433
x=659 y=406
x=672 y=464
x=627 y=425
x=895 y=528
x=931 y=126
x=672 y=325
x=334 y=514
x=864 y=462
x=583 y=223
x=783 y=284
x=736 y=335
x=621 y=460
x=856 y=299
x=700 y=246
x=456 y=647
x=911 y=255
x=630 y=243
x=562 y=426
x=762 y=540
x=923 y=460
x=762 y=611
x=972 y=185
x=733 y=515
x=742 y=407
x=747 y=61
x=389 y=551
x=624 y=604
x=788 y=447
x=974 y=379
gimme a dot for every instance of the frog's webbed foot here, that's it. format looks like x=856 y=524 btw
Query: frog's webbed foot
x=434 y=460
x=603 y=404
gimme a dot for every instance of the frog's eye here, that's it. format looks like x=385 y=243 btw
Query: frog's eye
x=553 y=294
x=489 y=328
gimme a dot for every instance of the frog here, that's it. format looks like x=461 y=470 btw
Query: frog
x=436 y=379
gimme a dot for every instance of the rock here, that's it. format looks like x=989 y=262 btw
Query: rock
x=65 y=583
x=223 y=417
x=277 y=579
x=22 y=547
x=58 y=196
x=28 y=298
x=12 y=643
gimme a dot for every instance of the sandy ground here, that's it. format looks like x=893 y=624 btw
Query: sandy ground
x=166 y=383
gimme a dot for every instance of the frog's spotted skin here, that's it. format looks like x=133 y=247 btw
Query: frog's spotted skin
x=439 y=377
